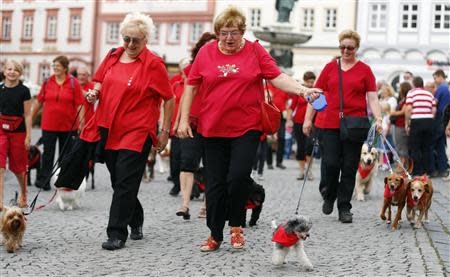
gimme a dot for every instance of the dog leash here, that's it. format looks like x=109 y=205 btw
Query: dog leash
x=396 y=157
x=315 y=147
x=383 y=146
x=54 y=169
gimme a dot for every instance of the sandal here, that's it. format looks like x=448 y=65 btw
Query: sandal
x=237 y=238
x=210 y=245
x=184 y=213
x=202 y=213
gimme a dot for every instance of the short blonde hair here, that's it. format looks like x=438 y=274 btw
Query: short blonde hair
x=17 y=66
x=143 y=22
x=350 y=34
x=230 y=17
x=389 y=89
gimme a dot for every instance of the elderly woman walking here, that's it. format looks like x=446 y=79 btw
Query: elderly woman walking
x=230 y=72
x=130 y=84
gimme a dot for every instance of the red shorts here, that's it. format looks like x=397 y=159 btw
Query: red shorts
x=12 y=147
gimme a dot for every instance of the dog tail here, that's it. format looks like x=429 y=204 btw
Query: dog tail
x=274 y=224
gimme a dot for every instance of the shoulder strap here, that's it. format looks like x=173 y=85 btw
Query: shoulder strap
x=341 y=112
x=269 y=98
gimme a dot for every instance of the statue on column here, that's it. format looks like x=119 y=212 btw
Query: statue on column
x=284 y=8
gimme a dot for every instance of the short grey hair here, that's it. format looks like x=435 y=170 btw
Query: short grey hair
x=142 y=21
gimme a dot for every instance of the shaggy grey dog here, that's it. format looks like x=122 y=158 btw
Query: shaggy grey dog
x=291 y=235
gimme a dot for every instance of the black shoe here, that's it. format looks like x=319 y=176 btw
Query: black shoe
x=47 y=187
x=174 y=191
x=327 y=206
x=269 y=166
x=185 y=214
x=136 y=233
x=281 y=166
x=434 y=174
x=345 y=217
x=113 y=244
x=169 y=178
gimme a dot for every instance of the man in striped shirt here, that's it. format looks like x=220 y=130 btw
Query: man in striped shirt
x=420 y=111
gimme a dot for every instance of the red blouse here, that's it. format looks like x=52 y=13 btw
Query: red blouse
x=298 y=107
x=232 y=88
x=60 y=103
x=356 y=82
x=129 y=101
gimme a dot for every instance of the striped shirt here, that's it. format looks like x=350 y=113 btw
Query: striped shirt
x=422 y=102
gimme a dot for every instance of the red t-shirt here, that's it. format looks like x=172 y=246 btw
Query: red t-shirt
x=279 y=97
x=400 y=122
x=176 y=78
x=232 y=88
x=130 y=97
x=356 y=82
x=177 y=89
x=60 y=104
x=88 y=107
x=298 y=107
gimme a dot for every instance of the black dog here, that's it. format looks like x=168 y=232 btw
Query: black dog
x=199 y=183
x=255 y=201
x=34 y=162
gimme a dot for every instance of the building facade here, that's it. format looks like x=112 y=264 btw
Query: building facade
x=399 y=36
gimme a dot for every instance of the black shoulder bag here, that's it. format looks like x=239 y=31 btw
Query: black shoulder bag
x=352 y=128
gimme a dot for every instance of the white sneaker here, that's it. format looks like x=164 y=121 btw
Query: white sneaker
x=260 y=177
x=310 y=176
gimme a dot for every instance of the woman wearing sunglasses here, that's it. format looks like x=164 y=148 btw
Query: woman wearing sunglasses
x=341 y=157
x=130 y=84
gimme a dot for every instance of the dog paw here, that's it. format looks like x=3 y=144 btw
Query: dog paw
x=383 y=217
x=360 y=198
x=308 y=267
x=388 y=221
x=417 y=225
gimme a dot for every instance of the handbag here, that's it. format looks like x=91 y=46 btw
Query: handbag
x=10 y=123
x=351 y=128
x=270 y=115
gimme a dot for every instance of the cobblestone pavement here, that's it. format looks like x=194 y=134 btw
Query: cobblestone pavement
x=69 y=243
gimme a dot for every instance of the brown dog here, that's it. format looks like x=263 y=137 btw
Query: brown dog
x=13 y=228
x=394 y=195
x=419 y=197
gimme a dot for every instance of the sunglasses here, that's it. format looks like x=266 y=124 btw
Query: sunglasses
x=128 y=39
x=232 y=34
x=349 y=48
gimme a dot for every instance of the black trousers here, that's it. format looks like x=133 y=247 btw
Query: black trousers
x=260 y=157
x=228 y=167
x=341 y=160
x=304 y=143
x=126 y=168
x=419 y=144
x=49 y=139
x=280 y=148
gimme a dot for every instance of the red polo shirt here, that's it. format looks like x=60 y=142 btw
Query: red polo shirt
x=232 y=88
x=129 y=102
x=88 y=107
x=60 y=103
x=356 y=82
x=298 y=106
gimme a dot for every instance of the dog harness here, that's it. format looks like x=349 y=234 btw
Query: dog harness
x=283 y=238
x=364 y=171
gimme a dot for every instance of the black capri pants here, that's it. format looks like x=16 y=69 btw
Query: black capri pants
x=304 y=143
x=191 y=152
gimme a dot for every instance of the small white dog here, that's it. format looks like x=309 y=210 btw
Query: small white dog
x=291 y=235
x=367 y=169
x=69 y=199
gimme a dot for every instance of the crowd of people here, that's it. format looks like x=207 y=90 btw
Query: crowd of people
x=211 y=111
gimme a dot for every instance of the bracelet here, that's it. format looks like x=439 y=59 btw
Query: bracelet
x=167 y=131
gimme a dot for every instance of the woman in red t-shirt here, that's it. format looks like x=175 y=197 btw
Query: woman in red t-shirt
x=230 y=72
x=341 y=157
x=60 y=97
x=15 y=105
x=130 y=83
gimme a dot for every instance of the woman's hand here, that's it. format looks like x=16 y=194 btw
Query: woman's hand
x=27 y=142
x=92 y=95
x=184 y=129
x=163 y=138
x=307 y=127
x=379 y=125
x=311 y=94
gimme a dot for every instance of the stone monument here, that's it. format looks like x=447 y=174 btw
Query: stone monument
x=281 y=36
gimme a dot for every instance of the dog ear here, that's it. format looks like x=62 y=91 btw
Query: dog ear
x=408 y=185
x=386 y=180
x=401 y=181
x=427 y=187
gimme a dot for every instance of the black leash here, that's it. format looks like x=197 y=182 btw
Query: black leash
x=55 y=165
x=315 y=147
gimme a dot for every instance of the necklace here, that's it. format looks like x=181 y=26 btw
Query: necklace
x=228 y=53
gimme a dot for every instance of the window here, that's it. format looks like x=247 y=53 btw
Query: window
x=409 y=14
x=330 y=22
x=28 y=27
x=44 y=72
x=75 y=26
x=112 y=32
x=308 y=18
x=196 y=32
x=6 y=26
x=255 y=17
x=154 y=36
x=26 y=71
x=51 y=27
x=441 y=17
x=174 y=33
x=377 y=17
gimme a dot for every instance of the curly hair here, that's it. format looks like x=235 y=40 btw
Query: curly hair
x=230 y=17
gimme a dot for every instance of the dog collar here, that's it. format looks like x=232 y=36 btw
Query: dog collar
x=410 y=201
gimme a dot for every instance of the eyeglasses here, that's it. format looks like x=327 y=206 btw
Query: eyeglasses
x=232 y=33
x=349 y=48
x=128 y=39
